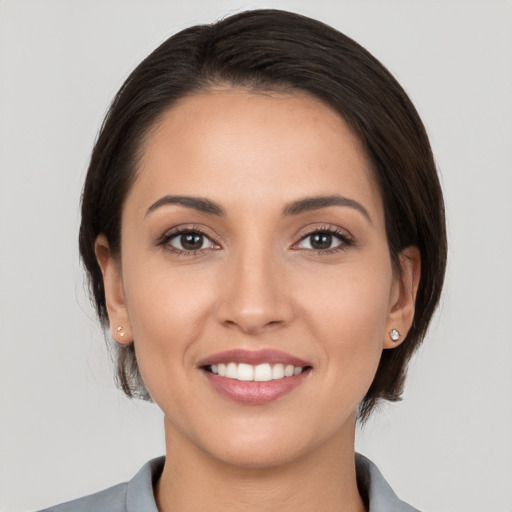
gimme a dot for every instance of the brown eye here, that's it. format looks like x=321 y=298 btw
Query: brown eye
x=323 y=241
x=190 y=241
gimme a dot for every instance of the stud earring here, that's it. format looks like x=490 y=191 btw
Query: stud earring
x=119 y=330
x=394 y=334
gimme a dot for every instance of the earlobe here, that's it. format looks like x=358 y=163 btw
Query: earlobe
x=114 y=291
x=403 y=301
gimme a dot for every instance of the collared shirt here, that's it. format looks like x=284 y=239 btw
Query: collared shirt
x=137 y=494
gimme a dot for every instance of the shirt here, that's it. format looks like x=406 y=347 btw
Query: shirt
x=137 y=494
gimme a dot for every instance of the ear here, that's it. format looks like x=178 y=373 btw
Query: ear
x=114 y=292
x=403 y=297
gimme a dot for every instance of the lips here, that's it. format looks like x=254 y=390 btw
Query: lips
x=253 y=357
x=254 y=377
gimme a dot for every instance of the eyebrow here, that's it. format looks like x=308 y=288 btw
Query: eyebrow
x=318 y=202
x=295 y=208
x=197 y=203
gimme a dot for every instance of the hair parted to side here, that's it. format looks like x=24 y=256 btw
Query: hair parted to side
x=272 y=50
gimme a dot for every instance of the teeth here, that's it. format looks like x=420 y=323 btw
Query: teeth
x=258 y=373
x=231 y=371
x=278 y=371
x=245 y=372
x=263 y=373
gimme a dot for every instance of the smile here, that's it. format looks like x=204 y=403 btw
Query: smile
x=254 y=377
x=258 y=373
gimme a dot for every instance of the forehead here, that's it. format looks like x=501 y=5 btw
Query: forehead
x=232 y=143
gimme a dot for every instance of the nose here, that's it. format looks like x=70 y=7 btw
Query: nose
x=255 y=298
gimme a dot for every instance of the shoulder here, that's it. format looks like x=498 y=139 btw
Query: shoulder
x=375 y=490
x=135 y=495
x=112 y=499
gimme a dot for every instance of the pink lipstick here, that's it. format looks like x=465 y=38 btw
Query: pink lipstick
x=254 y=377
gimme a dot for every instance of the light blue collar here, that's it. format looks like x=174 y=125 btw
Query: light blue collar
x=372 y=485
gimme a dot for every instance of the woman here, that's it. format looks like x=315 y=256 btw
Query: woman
x=263 y=229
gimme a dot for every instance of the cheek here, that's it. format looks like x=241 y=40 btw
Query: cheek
x=167 y=307
x=168 y=310
x=348 y=316
x=352 y=301
x=167 y=317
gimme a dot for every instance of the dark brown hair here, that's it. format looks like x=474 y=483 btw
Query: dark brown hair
x=281 y=51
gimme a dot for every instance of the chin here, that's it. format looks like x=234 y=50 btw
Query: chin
x=259 y=456
x=261 y=447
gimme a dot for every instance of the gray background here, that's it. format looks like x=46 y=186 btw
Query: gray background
x=64 y=430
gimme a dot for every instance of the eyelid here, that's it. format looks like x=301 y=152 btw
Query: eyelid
x=346 y=239
x=184 y=229
x=343 y=235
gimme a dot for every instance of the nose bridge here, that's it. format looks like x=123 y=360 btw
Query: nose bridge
x=254 y=297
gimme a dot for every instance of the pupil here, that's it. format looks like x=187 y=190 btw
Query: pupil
x=191 y=241
x=321 y=241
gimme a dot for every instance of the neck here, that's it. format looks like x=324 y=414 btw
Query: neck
x=193 y=481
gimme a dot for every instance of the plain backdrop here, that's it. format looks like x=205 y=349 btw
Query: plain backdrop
x=65 y=430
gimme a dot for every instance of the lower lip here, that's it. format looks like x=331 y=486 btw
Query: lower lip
x=255 y=393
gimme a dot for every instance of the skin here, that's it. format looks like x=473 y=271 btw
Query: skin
x=256 y=283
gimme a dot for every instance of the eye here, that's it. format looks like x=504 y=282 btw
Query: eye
x=324 y=240
x=190 y=241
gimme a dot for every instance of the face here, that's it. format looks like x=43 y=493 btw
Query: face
x=254 y=247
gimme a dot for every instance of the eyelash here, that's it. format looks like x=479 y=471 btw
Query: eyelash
x=166 y=239
x=345 y=240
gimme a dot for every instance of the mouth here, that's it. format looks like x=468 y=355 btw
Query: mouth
x=254 y=377
x=263 y=372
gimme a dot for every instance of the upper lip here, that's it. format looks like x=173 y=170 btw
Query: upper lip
x=253 y=357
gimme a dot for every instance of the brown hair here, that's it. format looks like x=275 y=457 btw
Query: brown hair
x=278 y=50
